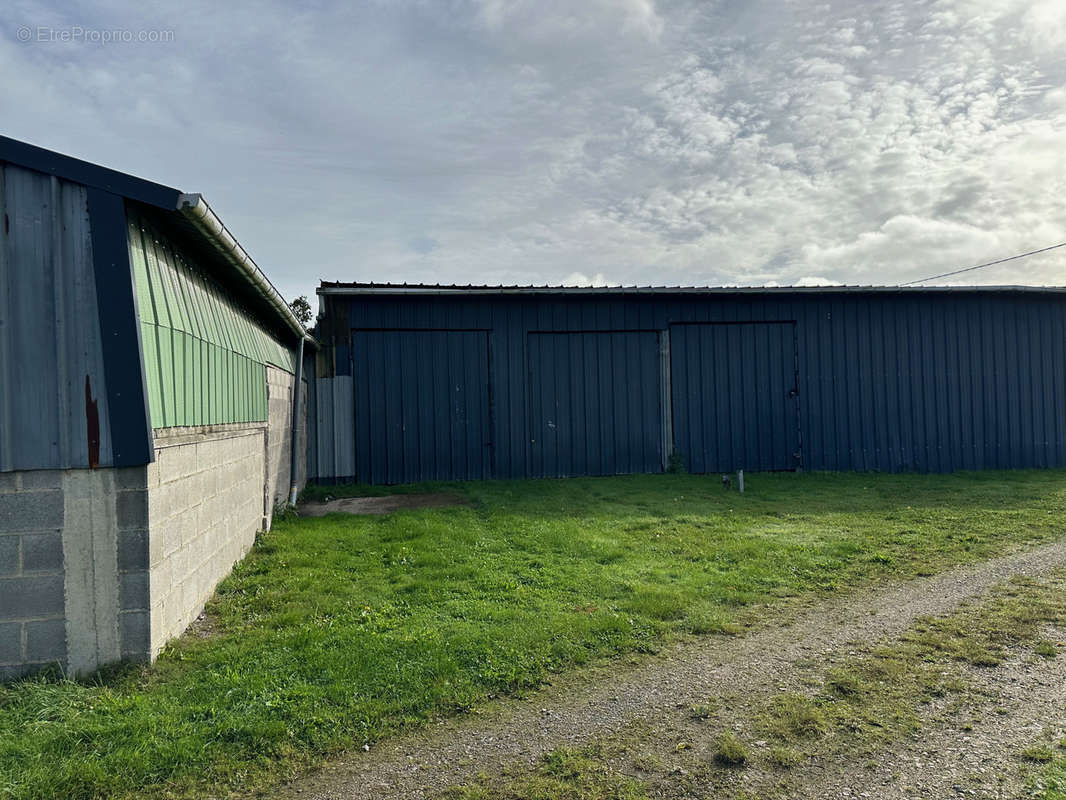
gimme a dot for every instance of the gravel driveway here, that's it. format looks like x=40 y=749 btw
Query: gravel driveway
x=599 y=701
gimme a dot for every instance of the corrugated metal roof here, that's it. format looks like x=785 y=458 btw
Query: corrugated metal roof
x=331 y=287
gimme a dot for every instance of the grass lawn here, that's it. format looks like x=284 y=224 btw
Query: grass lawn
x=341 y=630
x=1053 y=783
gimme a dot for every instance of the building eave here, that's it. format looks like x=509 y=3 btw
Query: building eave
x=364 y=289
x=203 y=218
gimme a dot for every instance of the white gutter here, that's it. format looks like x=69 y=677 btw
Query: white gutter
x=199 y=213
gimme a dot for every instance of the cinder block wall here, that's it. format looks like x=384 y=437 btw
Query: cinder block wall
x=278 y=437
x=205 y=506
x=302 y=441
x=210 y=491
x=73 y=569
x=32 y=628
x=98 y=565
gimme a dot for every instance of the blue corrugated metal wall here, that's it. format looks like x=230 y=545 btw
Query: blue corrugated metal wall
x=735 y=396
x=886 y=381
x=53 y=394
x=421 y=405
x=594 y=403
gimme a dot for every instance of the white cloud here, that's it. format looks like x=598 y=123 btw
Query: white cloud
x=1044 y=23
x=814 y=280
x=581 y=279
x=548 y=21
x=495 y=141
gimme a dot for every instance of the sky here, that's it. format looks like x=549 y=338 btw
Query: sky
x=585 y=142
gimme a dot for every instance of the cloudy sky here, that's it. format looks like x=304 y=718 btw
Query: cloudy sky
x=549 y=141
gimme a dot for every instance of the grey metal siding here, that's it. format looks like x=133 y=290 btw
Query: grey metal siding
x=53 y=406
x=907 y=381
x=333 y=420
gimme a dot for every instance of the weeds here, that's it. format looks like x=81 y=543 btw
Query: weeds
x=730 y=751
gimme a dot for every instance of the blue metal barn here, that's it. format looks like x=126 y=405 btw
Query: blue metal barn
x=432 y=382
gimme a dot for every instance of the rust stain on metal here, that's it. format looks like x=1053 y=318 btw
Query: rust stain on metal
x=92 y=426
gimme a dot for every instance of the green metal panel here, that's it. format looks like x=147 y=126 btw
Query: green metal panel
x=150 y=344
x=155 y=281
x=140 y=274
x=227 y=383
x=166 y=370
x=202 y=407
x=205 y=356
x=189 y=347
x=219 y=383
x=245 y=390
x=214 y=410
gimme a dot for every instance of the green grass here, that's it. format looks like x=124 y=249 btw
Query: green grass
x=1046 y=649
x=1052 y=782
x=729 y=751
x=784 y=757
x=858 y=707
x=1039 y=753
x=341 y=630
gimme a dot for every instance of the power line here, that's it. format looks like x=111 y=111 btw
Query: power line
x=986 y=264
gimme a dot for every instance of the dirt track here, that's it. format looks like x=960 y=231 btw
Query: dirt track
x=601 y=701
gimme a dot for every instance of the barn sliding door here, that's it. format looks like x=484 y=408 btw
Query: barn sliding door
x=595 y=403
x=422 y=406
x=734 y=396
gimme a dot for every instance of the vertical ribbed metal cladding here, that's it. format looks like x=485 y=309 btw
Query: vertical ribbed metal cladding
x=204 y=354
x=422 y=405
x=595 y=403
x=734 y=396
x=54 y=403
x=832 y=380
x=333 y=429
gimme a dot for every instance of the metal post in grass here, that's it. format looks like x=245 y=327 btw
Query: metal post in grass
x=740 y=480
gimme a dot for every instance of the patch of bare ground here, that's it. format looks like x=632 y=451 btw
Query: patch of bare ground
x=966 y=743
x=203 y=627
x=618 y=700
x=381 y=505
x=969 y=748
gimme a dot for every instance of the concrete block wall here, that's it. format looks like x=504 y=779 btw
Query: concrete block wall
x=302 y=439
x=73 y=567
x=32 y=607
x=105 y=541
x=210 y=491
x=205 y=506
x=278 y=438
x=108 y=564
